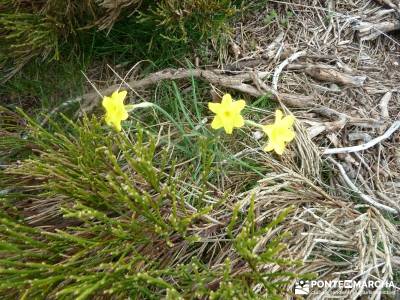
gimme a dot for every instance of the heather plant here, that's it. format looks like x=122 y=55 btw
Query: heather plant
x=190 y=20
x=59 y=30
x=98 y=213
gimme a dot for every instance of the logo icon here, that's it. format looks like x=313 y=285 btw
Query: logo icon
x=348 y=284
x=302 y=287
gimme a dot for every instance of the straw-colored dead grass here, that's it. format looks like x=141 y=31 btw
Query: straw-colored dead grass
x=330 y=234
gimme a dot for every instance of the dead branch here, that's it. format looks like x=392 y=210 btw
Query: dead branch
x=329 y=73
x=344 y=119
x=370 y=31
x=332 y=75
x=319 y=127
x=215 y=77
x=387 y=134
x=322 y=72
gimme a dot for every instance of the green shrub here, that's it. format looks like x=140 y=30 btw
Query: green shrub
x=189 y=20
x=97 y=214
x=26 y=35
x=53 y=29
x=40 y=30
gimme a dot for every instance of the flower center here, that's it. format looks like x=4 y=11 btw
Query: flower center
x=227 y=113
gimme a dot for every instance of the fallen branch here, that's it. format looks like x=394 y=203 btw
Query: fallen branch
x=215 y=77
x=329 y=73
x=370 y=31
x=387 y=134
x=356 y=190
x=332 y=75
x=319 y=127
x=341 y=121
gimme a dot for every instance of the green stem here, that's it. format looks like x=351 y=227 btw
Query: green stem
x=150 y=104
x=131 y=107
x=254 y=124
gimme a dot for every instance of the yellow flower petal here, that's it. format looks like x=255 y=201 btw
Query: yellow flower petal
x=238 y=121
x=124 y=115
x=227 y=113
x=107 y=102
x=119 y=96
x=108 y=120
x=268 y=129
x=279 y=147
x=269 y=147
x=287 y=121
x=278 y=115
x=279 y=133
x=228 y=126
x=115 y=109
x=288 y=136
x=118 y=126
x=214 y=107
x=239 y=105
x=226 y=100
x=216 y=123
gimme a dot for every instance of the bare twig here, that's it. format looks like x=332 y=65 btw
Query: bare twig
x=92 y=84
x=272 y=48
x=383 y=105
x=282 y=65
x=387 y=134
x=355 y=189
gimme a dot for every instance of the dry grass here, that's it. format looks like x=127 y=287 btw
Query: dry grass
x=330 y=35
x=334 y=33
x=330 y=234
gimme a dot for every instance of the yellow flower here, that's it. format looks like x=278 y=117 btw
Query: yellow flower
x=227 y=113
x=115 y=109
x=279 y=133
